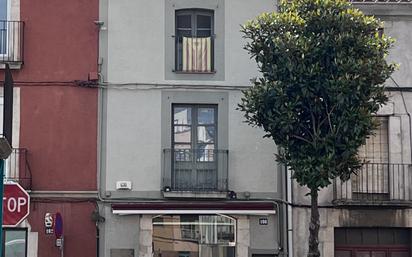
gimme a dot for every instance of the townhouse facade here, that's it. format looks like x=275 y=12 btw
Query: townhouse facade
x=370 y=215
x=176 y=171
x=181 y=174
x=52 y=51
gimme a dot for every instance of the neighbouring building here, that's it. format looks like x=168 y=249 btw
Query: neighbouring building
x=181 y=174
x=52 y=48
x=370 y=215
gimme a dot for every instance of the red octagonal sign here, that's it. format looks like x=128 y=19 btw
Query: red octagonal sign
x=16 y=203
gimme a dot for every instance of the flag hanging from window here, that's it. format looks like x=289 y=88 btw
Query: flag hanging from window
x=197 y=54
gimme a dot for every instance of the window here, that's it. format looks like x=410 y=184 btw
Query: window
x=376 y=148
x=11 y=35
x=194 y=128
x=194 y=148
x=194 y=143
x=194 y=236
x=381 y=32
x=374 y=176
x=194 y=41
x=15 y=242
x=4 y=16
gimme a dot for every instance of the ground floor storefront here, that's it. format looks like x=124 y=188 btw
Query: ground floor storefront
x=190 y=229
x=356 y=232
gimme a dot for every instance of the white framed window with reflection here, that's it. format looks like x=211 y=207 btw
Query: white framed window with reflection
x=5 y=15
x=194 y=236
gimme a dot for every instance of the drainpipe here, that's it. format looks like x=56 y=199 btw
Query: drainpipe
x=97 y=240
x=289 y=215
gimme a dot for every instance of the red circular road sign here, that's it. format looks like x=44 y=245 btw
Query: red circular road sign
x=16 y=204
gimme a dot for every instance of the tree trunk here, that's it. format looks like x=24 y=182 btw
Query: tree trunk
x=314 y=226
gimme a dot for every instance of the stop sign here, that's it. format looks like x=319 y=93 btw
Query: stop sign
x=16 y=203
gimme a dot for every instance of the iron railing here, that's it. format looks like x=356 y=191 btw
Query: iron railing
x=376 y=183
x=195 y=170
x=194 y=54
x=11 y=41
x=17 y=168
x=381 y=1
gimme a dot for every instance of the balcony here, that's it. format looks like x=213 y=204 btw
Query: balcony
x=11 y=42
x=17 y=168
x=376 y=184
x=194 y=55
x=195 y=172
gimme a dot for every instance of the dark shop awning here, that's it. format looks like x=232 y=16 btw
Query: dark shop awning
x=204 y=207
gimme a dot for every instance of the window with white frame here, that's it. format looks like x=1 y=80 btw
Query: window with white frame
x=194 y=235
x=4 y=16
x=11 y=33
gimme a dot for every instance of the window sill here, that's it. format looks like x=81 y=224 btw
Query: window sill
x=13 y=66
x=193 y=194
x=194 y=72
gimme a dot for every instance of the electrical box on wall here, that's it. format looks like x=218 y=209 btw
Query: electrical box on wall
x=123 y=185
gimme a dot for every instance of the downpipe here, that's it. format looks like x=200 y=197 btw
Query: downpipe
x=289 y=211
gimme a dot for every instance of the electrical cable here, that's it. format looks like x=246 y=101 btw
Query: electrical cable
x=128 y=86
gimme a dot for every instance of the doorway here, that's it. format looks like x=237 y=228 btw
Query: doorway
x=372 y=242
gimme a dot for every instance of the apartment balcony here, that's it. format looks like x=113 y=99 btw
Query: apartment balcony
x=194 y=55
x=11 y=43
x=17 y=168
x=376 y=184
x=201 y=173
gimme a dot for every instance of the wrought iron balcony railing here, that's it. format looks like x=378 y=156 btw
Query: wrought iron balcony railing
x=11 y=42
x=17 y=168
x=198 y=170
x=382 y=1
x=376 y=183
x=194 y=54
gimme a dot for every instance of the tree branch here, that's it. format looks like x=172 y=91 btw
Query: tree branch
x=302 y=138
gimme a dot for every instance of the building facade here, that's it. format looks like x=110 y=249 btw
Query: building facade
x=370 y=215
x=52 y=49
x=126 y=123
x=181 y=174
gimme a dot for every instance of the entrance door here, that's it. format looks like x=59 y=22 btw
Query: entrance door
x=379 y=252
x=367 y=253
x=372 y=242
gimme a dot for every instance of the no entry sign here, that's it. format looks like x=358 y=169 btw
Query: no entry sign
x=16 y=203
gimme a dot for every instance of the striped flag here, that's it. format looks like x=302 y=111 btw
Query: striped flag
x=197 y=54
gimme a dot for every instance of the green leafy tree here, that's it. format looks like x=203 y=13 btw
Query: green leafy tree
x=322 y=66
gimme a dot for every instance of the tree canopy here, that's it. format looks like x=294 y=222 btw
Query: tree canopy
x=323 y=67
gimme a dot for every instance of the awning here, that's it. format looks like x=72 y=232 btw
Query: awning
x=203 y=207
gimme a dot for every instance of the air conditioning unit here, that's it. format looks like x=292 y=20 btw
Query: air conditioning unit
x=123 y=185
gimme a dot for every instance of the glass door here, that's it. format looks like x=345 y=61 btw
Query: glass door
x=194 y=147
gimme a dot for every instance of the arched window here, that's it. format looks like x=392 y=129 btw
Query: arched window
x=194 y=40
x=194 y=236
